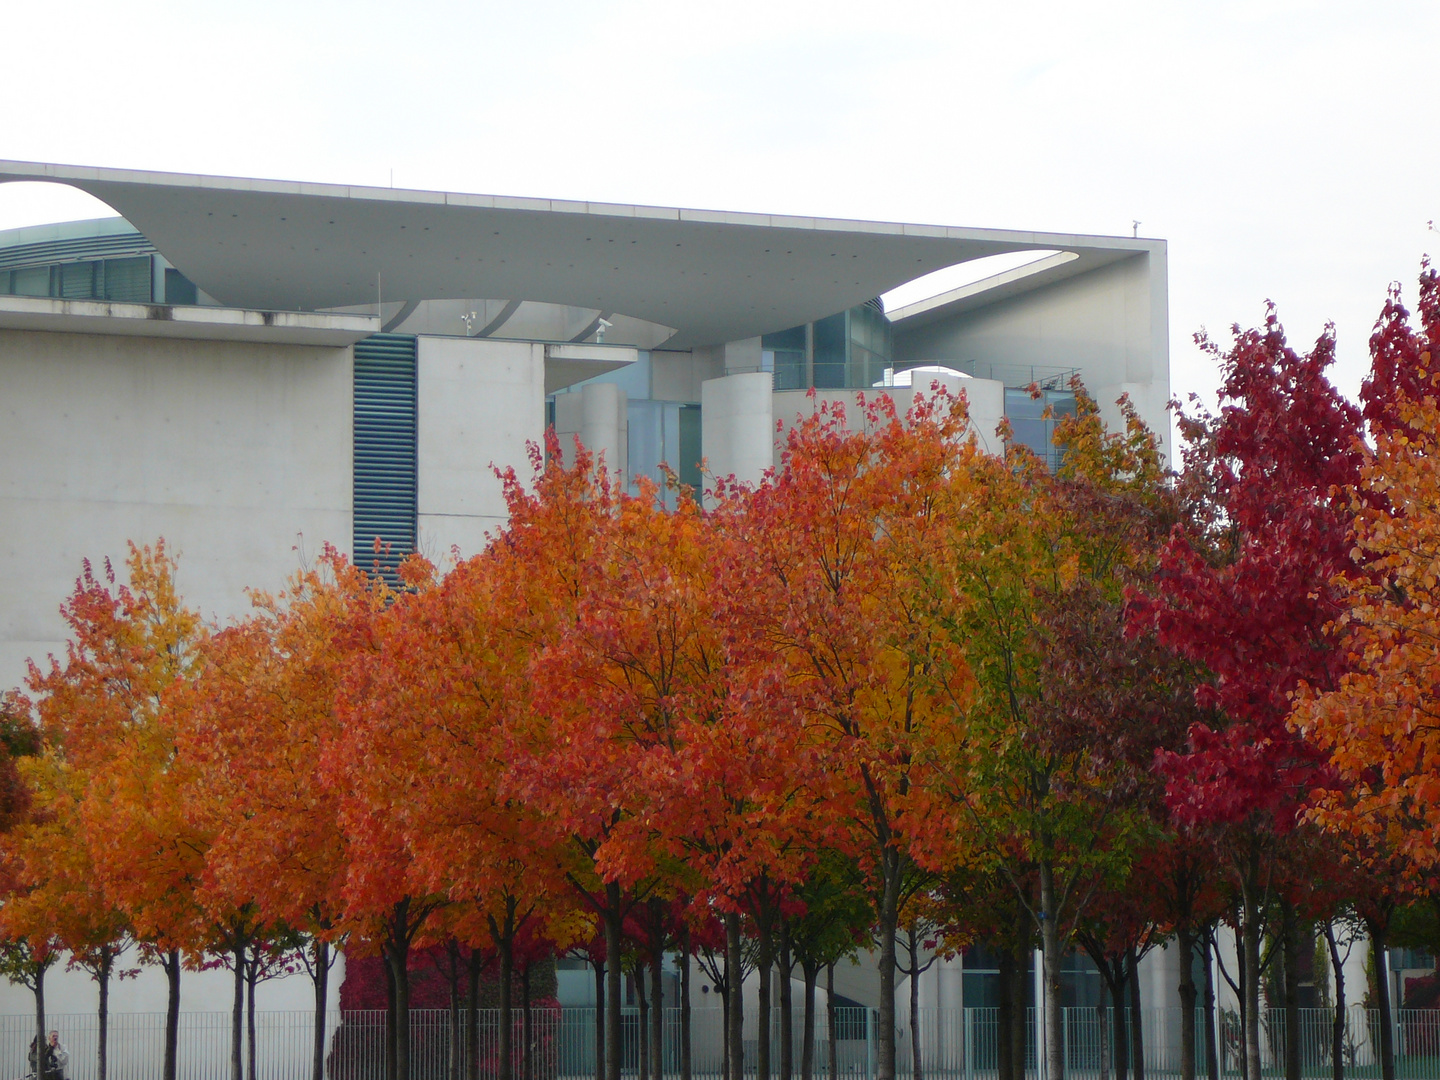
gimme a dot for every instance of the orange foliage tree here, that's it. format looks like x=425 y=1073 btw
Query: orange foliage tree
x=105 y=712
x=831 y=543
x=261 y=720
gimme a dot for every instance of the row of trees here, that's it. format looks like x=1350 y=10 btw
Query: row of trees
x=902 y=691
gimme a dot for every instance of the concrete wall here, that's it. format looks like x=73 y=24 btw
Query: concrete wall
x=479 y=403
x=677 y=376
x=737 y=421
x=985 y=398
x=239 y=455
x=1111 y=323
x=70 y=992
x=598 y=417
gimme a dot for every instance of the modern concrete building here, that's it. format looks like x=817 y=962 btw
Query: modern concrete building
x=253 y=368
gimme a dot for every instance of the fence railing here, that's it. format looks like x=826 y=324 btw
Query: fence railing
x=954 y=1044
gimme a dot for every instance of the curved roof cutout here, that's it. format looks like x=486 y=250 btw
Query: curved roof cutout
x=958 y=276
x=27 y=203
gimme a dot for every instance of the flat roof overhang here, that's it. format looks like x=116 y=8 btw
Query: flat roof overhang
x=713 y=276
x=190 y=323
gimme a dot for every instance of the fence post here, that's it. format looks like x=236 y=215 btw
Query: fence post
x=869 y=1044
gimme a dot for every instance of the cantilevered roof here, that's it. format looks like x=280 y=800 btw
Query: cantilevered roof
x=713 y=276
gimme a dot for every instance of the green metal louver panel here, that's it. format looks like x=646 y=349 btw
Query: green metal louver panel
x=385 y=465
x=80 y=247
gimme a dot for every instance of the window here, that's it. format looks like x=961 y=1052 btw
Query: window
x=784 y=354
x=1030 y=425
x=178 y=288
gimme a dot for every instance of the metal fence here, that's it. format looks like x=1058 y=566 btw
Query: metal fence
x=955 y=1044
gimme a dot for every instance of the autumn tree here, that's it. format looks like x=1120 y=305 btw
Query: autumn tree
x=1376 y=725
x=1245 y=590
x=53 y=893
x=830 y=542
x=261 y=722
x=387 y=900
x=446 y=709
x=1027 y=580
x=104 y=709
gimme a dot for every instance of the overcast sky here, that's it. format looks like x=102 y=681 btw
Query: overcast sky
x=1287 y=150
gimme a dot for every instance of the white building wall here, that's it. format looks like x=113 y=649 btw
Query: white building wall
x=984 y=397
x=238 y=454
x=1111 y=324
x=479 y=403
x=74 y=992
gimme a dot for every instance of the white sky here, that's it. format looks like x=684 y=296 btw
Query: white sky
x=1287 y=150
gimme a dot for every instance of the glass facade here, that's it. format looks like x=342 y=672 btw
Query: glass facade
x=659 y=432
x=784 y=354
x=848 y=350
x=1032 y=428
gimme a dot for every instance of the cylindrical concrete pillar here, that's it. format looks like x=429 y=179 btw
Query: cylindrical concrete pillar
x=602 y=424
x=737 y=425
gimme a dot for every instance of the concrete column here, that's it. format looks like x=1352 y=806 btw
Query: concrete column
x=480 y=401
x=986 y=398
x=737 y=425
x=603 y=427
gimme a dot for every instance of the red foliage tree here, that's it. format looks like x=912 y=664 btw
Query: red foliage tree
x=1245 y=590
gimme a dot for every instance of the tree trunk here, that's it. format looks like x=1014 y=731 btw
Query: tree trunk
x=321 y=977
x=527 y=1030
x=638 y=979
x=1250 y=929
x=452 y=955
x=1005 y=1018
x=724 y=992
x=684 y=1001
x=252 y=976
x=1104 y=1069
x=102 y=975
x=1378 y=942
x=1290 y=960
x=1050 y=951
x=913 y=943
x=735 y=1021
x=889 y=921
x=807 y=1030
x=611 y=921
x=1020 y=1024
x=833 y=1064
x=390 y=1024
x=237 y=1015
x=171 y=964
x=397 y=955
x=41 y=1038
x=599 y=966
x=505 y=1037
x=787 y=1005
x=1212 y=1052
x=1137 y=1018
x=472 y=1018
x=1337 y=1025
x=765 y=1012
x=657 y=1018
x=1185 y=940
x=1117 y=981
